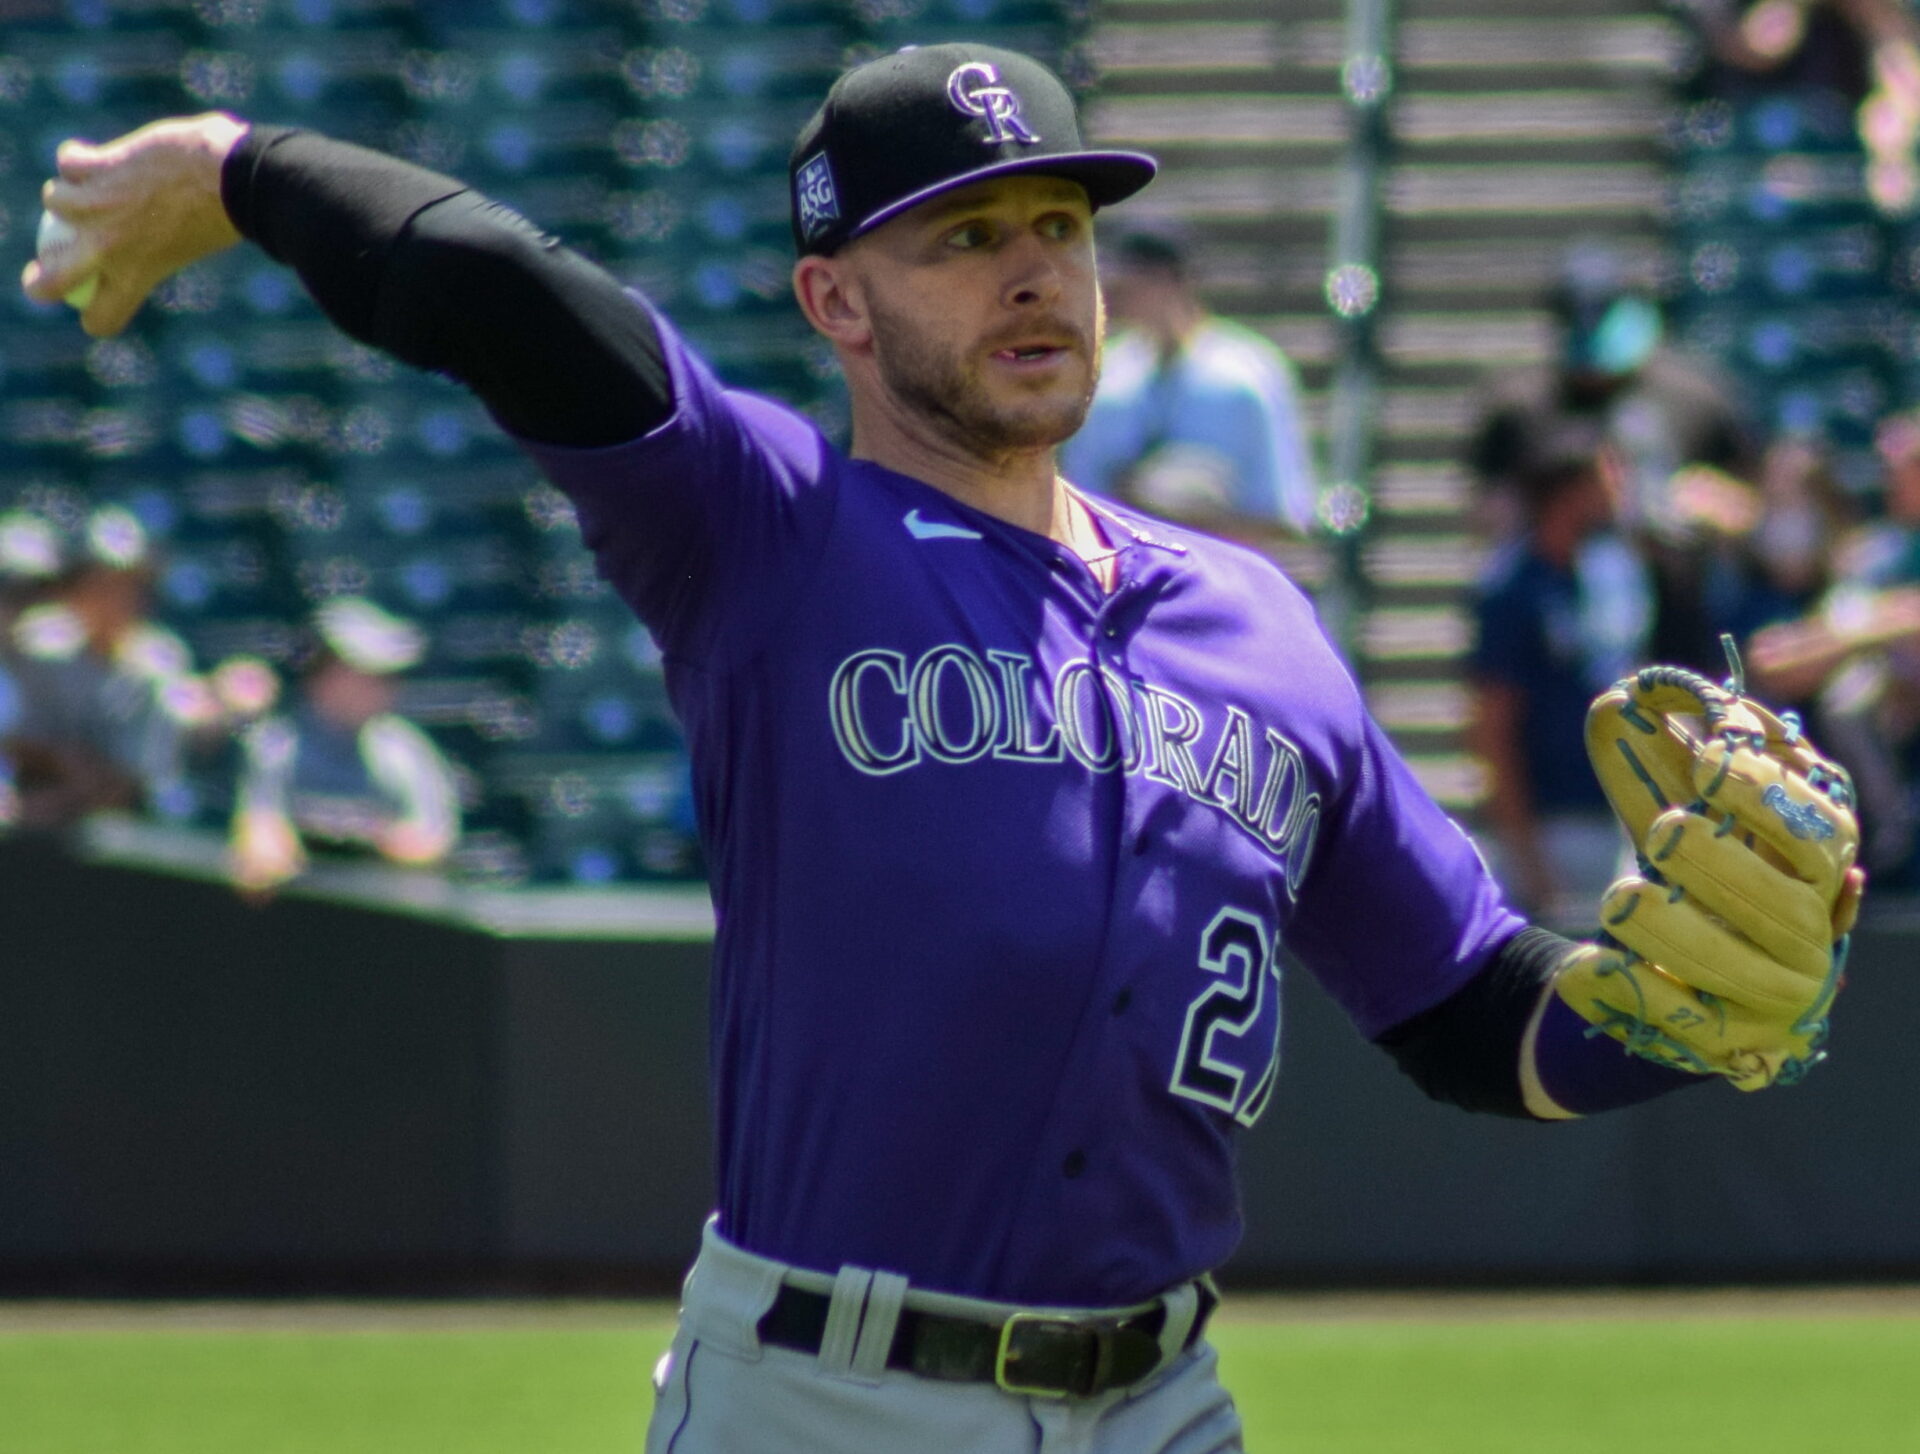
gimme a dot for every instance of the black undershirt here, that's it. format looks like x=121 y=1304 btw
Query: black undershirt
x=441 y=277
x=1466 y=1049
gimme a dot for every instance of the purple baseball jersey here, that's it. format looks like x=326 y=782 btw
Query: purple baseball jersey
x=1004 y=864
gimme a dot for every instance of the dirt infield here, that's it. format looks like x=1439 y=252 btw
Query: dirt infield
x=31 y=1317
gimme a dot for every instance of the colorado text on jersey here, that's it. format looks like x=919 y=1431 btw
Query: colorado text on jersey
x=950 y=707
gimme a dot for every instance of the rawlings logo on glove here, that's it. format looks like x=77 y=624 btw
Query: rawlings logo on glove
x=1723 y=954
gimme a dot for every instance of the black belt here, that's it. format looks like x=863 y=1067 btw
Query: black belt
x=1054 y=1355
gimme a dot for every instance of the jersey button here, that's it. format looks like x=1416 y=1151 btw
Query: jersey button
x=1121 y=1001
x=1075 y=1163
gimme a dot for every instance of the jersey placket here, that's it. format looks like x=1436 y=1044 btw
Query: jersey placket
x=1075 y=1181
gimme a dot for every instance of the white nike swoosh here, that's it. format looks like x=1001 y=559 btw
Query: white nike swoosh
x=936 y=529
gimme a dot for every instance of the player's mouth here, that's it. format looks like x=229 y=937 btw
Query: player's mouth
x=1034 y=355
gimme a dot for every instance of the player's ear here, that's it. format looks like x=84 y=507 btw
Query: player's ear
x=831 y=298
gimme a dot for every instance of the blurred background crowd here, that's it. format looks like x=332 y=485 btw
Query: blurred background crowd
x=1630 y=339
x=1721 y=453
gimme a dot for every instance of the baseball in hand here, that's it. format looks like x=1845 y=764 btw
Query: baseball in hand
x=54 y=238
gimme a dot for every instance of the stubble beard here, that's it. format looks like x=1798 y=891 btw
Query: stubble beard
x=943 y=385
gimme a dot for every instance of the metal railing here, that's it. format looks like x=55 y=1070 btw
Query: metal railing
x=1353 y=292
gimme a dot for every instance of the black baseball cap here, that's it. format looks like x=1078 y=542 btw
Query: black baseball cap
x=925 y=120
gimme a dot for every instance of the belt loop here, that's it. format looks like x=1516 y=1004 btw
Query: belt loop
x=842 y=1332
x=726 y=1294
x=1182 y=1305
x=884 y=1300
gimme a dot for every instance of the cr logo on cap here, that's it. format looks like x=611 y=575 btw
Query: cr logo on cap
x=975 y=90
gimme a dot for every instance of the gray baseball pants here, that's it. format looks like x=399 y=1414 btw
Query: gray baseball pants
x=719 y=1390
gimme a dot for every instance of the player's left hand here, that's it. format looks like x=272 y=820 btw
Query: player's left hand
x=143 y=206
x=1722 y=956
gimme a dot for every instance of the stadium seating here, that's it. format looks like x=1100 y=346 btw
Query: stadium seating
x=278 y=463
x=1783 y=269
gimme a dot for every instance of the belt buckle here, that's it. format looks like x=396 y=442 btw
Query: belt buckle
x=1057 y=1327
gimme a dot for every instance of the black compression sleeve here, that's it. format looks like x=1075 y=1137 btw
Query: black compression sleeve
x=1466 y=1049
x=443 y=278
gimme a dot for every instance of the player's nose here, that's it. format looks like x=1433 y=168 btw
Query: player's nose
x=1033 y=273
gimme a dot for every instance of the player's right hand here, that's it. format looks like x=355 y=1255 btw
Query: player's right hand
x=145 y=205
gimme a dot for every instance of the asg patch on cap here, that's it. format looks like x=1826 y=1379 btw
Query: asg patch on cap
x=816 y=206
x=909 y=126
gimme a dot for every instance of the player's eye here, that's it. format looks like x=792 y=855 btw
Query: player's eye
x=969 y=235
x=1060 y=227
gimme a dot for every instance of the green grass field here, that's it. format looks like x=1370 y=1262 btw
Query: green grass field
x=1477 y=1378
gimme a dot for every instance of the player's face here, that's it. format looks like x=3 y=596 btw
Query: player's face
x=985 y=311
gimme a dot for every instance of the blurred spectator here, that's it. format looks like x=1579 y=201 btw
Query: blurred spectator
x=1857 y=656
x=1863 y=53
x=341 y=768
x=1195 y=418
x=1680 y=441
x=1548 y=639
x=29 y=553
x=106 y=696
x=1786 y=536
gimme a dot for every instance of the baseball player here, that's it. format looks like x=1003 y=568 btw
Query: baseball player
x=1012 y=798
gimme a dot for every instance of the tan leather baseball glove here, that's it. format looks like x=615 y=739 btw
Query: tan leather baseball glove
x=1723 y=954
